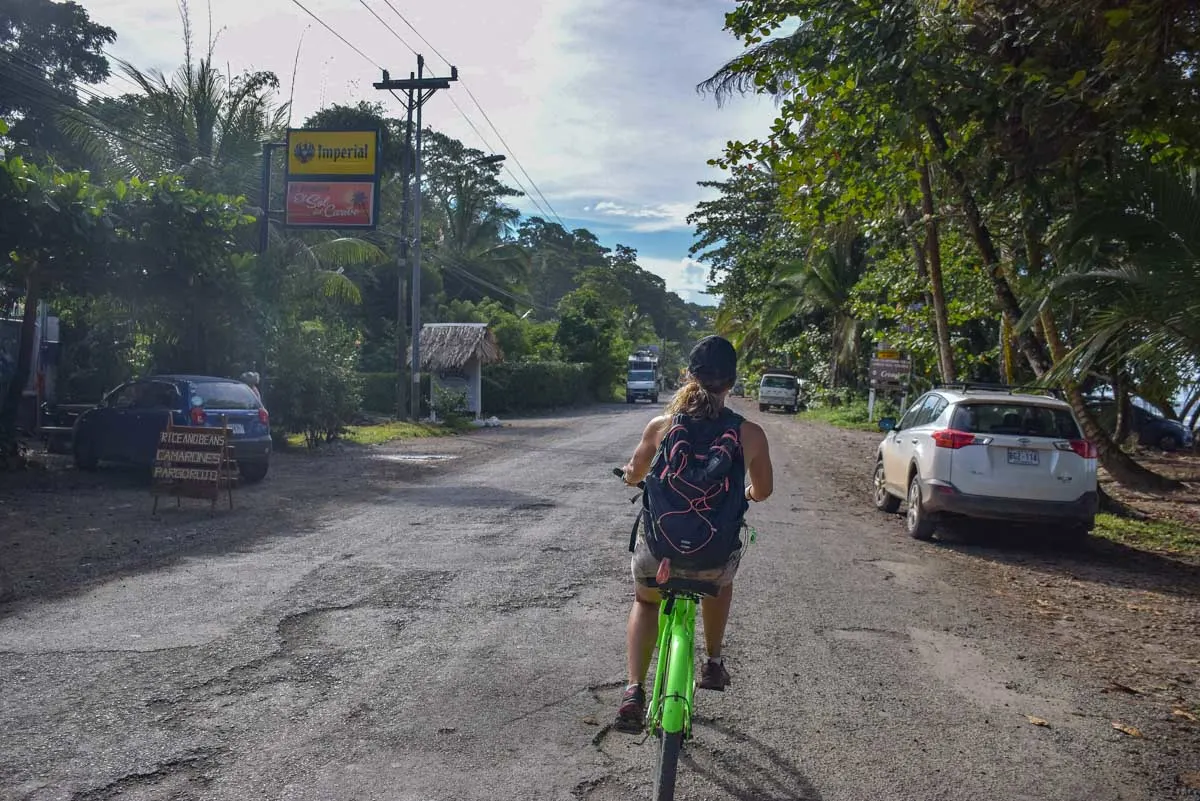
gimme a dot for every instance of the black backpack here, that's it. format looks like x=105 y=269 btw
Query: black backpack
x=695 y=496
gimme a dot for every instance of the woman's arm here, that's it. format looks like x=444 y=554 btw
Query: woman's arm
x=643 y=455
x=758 y=462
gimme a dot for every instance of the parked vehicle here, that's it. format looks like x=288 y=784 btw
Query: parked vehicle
x=125 y=426
x=739 y=389
x=987 y=453
x=779 y=389
x=1152 y=429
x=644 y=379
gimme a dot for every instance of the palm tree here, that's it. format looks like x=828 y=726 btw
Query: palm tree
x=199 y=120
x=1132 y=268
x=822 y=284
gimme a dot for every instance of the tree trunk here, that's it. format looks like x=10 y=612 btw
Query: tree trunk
x=1124 y=409
x=911 y=217
x=933 y=252
x=1008 y=361
x=1029 y=345
x=1119 y=464
x=16 y=388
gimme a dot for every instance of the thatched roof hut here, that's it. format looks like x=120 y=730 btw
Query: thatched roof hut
x=451 y=346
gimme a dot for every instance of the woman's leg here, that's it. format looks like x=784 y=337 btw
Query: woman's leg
x=714 y=611
x=641 y=634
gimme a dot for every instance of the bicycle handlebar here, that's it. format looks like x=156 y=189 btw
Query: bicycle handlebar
x=620 y=473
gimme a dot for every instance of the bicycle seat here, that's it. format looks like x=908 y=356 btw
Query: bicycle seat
x=682 y=586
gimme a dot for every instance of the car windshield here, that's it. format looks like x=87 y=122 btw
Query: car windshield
x=224 y=395
x=641 y=375
x=778 y=382
x=1015 y=419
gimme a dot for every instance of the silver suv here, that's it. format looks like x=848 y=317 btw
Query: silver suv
x=991 y=453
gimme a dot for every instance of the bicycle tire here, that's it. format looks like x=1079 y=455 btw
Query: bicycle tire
x=670 y=746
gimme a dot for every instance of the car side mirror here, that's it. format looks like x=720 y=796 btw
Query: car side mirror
x=887 y=424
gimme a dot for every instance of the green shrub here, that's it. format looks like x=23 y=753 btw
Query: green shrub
x=450 y=407
x=314 y=387
x=527 y=386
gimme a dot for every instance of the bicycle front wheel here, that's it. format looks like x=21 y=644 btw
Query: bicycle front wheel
x=668 y=763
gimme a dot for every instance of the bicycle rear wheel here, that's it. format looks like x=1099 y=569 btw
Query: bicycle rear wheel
x=668 y=763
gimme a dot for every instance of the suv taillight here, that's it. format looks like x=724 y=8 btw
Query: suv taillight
x=949 y=438
x=263 y=417
x=1084 y=448
x=199 y=418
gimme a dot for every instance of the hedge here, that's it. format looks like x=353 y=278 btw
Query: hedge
x=528 y=386
x=379 y=393
x=507 y=388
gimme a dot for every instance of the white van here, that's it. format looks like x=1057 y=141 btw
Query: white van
x=779 y=389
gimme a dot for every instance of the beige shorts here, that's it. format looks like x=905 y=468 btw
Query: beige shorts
x=645 y=566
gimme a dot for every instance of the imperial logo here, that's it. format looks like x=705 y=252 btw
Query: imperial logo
x=307 y=151
x=304 y=152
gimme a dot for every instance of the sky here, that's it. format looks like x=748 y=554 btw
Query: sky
x=595 y=99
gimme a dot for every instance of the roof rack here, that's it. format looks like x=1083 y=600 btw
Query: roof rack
x=1010 y=389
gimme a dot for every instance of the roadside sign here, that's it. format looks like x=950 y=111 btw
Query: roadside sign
x=889 y=355
x=331 y=204
x=889 y=371
x=332 y=179
x=193 y=462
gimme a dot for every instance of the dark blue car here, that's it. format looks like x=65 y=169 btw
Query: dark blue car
x=125 y=426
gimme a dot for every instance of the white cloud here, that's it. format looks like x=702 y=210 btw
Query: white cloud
x=645 y=219
x=685 y=277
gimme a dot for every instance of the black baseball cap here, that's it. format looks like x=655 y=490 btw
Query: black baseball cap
x=714 y=362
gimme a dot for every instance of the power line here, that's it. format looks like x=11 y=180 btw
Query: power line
x=389 y=27
x=413 y=28
x=345 y=41
x=521 y=166
x=34 y=92
x=488 y=119
x=488 y=145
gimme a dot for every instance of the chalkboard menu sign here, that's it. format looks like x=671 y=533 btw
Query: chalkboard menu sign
x=193 y=462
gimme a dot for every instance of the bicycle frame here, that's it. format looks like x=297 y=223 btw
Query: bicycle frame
x=670 y=704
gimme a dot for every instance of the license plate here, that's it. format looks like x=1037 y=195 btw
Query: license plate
x=237 y=428
x=1022 y=456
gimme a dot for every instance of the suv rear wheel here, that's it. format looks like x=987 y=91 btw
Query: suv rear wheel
x=884 y=500
x=919 y=525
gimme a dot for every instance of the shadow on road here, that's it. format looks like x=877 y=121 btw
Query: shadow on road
x=1094 y=559
x=743 y=766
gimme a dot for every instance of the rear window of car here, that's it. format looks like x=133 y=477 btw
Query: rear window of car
x=1015 y=419
x=778 y=382
x=224 y=395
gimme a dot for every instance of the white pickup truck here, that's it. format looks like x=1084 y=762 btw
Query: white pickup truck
x=779 y=389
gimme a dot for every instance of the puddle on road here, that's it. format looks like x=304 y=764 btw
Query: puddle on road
x=414 y=457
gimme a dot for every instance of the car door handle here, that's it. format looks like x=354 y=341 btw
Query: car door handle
x=914 y=440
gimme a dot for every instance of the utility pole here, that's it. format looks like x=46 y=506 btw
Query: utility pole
x=417 y=89
x=401 y=263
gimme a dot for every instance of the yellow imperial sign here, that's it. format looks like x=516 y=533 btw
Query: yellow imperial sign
x=332 y=152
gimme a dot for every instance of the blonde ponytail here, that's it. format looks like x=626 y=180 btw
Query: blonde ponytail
x=695 y=401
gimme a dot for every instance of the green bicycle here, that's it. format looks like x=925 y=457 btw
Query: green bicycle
x=671 y=701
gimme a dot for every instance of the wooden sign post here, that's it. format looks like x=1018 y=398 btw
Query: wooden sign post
x=193 y=462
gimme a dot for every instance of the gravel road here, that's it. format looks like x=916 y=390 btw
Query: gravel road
x=412 y=629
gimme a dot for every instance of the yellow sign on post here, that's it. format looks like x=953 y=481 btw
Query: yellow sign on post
x=317 y=152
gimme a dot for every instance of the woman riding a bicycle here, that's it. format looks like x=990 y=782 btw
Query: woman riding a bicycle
x=712 y=372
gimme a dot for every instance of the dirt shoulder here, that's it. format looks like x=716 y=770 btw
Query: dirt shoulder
x=61 y=528
x=1120 y=619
